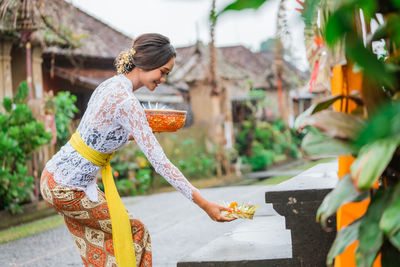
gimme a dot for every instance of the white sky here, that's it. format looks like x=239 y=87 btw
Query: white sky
x=185 y=21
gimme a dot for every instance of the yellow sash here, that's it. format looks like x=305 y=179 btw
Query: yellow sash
x=121 y=228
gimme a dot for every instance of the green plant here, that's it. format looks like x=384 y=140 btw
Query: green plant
x=20 y=136
x=143 y=178
x=65 y=106
x=191 y=152
x=132 y=172
x=373 y=141
x=126 y=187
x=261 y=143
x=192 y=158
x=376 y=147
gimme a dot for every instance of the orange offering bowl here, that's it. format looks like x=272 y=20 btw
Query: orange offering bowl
x=165 y=120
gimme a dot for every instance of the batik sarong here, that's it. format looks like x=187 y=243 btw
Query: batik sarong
x=90 y=225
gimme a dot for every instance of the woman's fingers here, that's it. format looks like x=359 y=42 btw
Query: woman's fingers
x=225 y=219
x=222 y=208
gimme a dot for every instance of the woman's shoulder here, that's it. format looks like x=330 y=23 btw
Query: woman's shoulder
x=115 y=85
x=117 y=80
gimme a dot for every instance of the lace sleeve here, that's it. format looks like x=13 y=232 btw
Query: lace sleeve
x=133 y=119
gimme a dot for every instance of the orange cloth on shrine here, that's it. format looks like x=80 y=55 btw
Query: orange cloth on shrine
x=343 y=81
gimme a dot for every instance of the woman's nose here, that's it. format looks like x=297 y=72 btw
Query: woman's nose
x=163 y=79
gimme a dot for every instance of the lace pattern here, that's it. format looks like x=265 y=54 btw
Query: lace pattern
x=112 y=115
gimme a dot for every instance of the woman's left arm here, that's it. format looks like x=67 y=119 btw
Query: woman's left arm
x=132 y=117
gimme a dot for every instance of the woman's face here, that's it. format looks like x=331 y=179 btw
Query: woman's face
x=152 y=78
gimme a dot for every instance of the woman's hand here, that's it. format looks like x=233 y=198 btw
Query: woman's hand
x=212 y=209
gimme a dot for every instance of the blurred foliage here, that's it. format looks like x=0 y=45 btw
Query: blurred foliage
x=191 y=151
x=375 y=143
x=20 y=136
x=66 y=109
x=131 y=170
x=186 y=149
x=262 y=143
x=260 y=140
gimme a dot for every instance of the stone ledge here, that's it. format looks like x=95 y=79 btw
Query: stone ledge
x=298 y=200
x=247 y=263
x=251 y=243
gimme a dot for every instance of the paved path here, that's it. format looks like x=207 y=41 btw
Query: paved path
x=177 y=228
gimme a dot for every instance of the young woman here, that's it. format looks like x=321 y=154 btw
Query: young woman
x=113 y=117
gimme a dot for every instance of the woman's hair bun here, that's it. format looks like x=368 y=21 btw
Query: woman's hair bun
x=124 y=63
x=149 y=51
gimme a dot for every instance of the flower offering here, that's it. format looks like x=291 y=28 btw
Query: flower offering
x=244 y=211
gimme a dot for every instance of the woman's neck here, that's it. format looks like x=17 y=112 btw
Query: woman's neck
x=133 y=76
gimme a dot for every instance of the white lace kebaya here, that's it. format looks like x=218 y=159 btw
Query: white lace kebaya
x=112 y=115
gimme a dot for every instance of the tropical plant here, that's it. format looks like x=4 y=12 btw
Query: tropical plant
x=372 y=137
x=20 y=136
x=373 y=141
x=66 y=109
x=262 y=143
x=132 y=171
x=191 y=157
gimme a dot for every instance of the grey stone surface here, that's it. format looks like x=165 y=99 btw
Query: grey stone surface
x=263 y=238
x=266 y=243
x=299 y=207
x=177 y=228
x=321 y=176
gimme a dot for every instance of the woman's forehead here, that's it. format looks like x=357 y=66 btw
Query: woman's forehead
x=169 y=65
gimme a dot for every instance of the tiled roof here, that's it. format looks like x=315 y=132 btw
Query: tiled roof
x=60 y=25
x=89 y=78
x=98 y=38
x=235 y=63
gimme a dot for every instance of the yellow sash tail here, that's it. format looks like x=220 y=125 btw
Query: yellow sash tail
x=121 y=228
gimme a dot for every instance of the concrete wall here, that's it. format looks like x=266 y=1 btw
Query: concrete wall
x=201 y=104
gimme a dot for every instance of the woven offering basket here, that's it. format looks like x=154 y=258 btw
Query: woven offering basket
x=239 y=212
x=165 y=120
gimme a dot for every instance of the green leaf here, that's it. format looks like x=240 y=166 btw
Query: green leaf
x=368 y=61
x=328 y=101
x=344 y=238
x=390 y=221
x=7 y=104
x=336 y=124
x=243 y=4
x=370 y=235
x=344 y=192
x=368 y=7
x=325 y=103
x=299 y=122
x=395 y=240
x=396 y=3
x=372 y=161
x=393 y=27
x=384 y=123
x=389 y=30
x=310 y=11
x=339 y=23
x=22 y=93
x=321 y=145
x=390 y=255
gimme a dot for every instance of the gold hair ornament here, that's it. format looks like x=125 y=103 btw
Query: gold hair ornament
x=125 y=61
